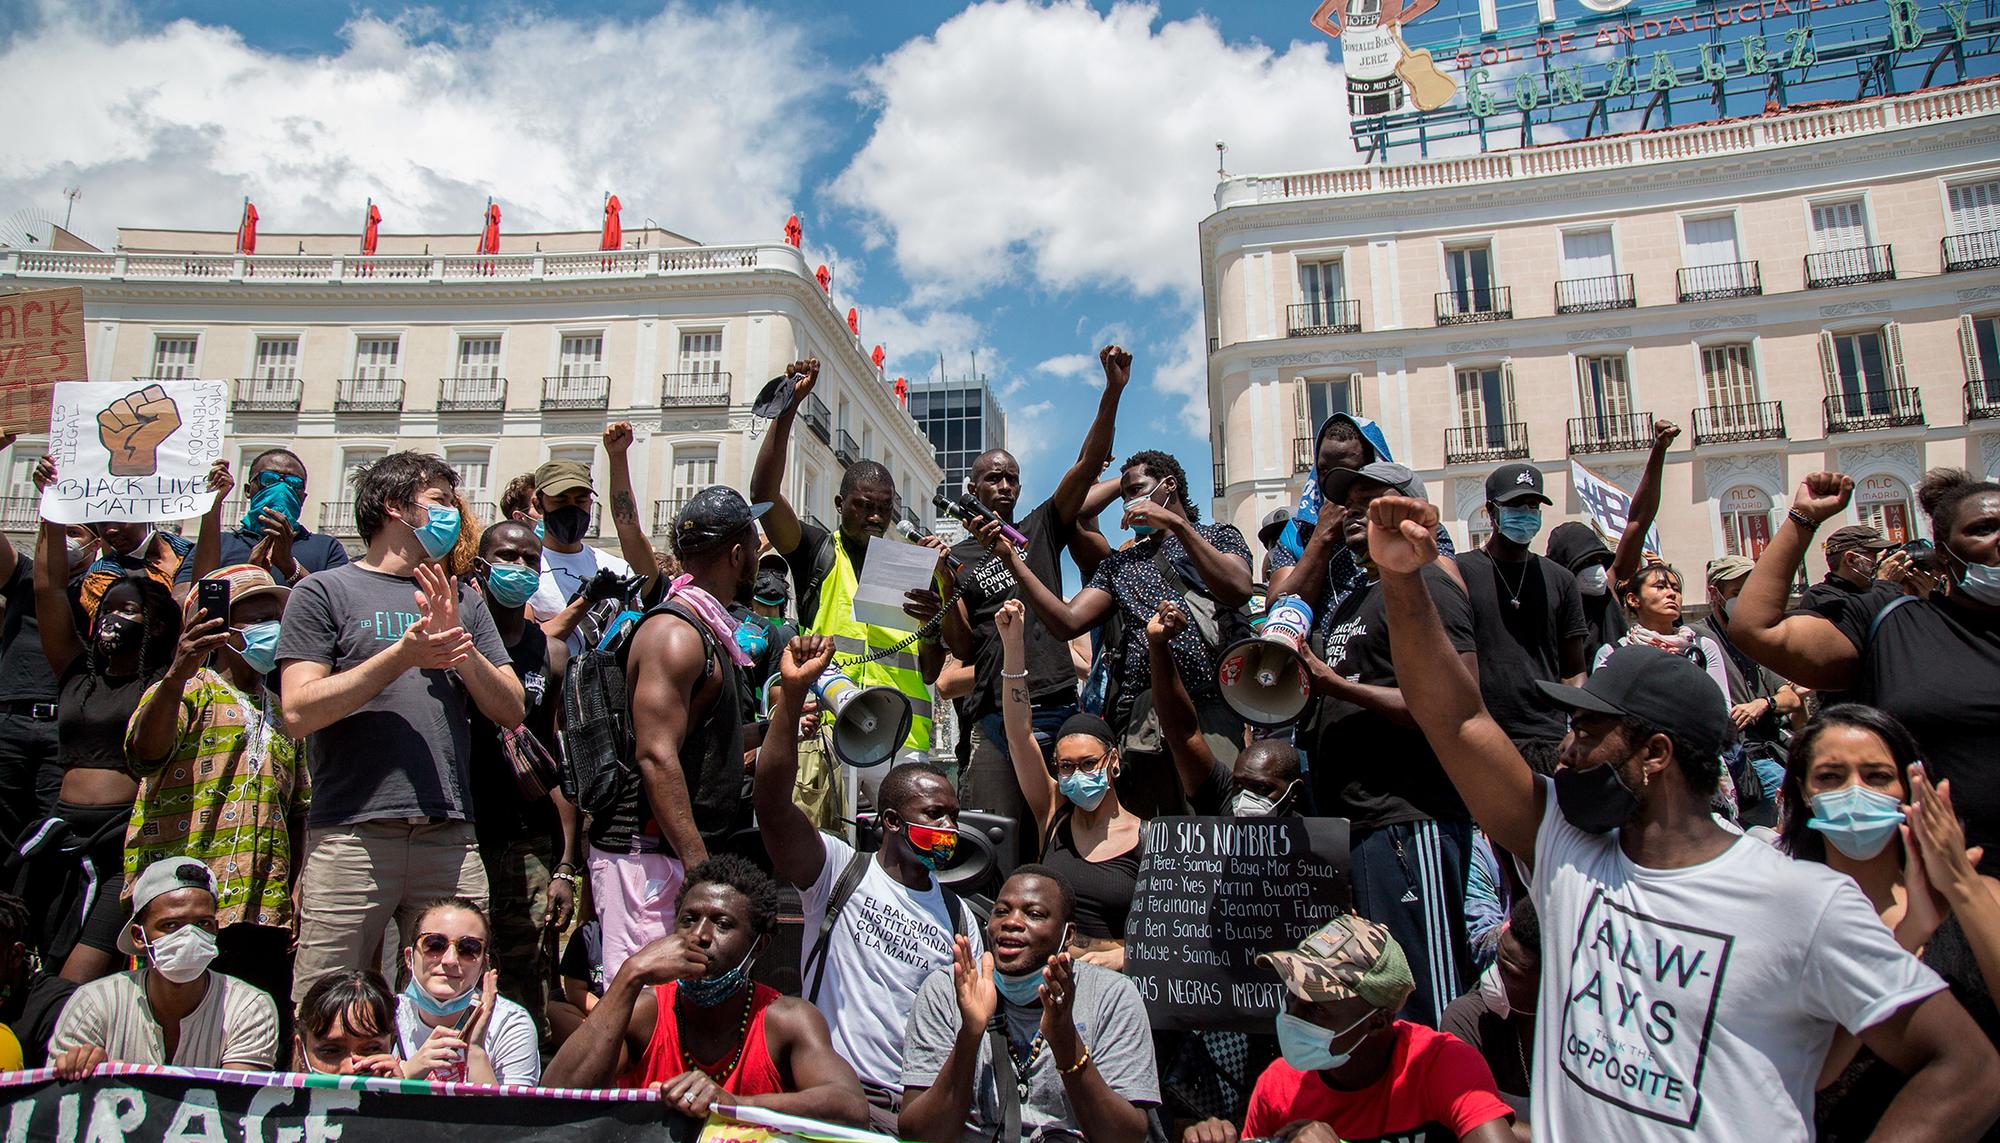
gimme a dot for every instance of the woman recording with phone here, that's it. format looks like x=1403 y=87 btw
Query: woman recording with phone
x=454 y=1025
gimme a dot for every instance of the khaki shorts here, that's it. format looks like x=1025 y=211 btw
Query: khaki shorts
x=356 y=878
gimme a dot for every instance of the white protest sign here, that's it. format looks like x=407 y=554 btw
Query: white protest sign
x=1609 y=506
x=133 y=450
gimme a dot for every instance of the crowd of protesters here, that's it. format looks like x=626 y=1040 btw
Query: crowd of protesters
x=1616 y=873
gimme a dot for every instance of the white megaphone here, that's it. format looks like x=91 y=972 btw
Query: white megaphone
x=869 y=723
x=1264 y=677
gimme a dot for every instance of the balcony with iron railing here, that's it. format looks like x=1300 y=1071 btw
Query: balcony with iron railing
x=1480 y=444
x=844 y=449
x=1850 y=267
x=1485 y=303
x=20 y=513
x=1752 y=421
x=1719 y=280
x=1610 y=432
x=472 y=394
x=336 y=518
x=1982 y=399
x=1901 y=407
x=818 y=418
x=1312 y=319
x=576 y=391
x=1302 y=454
x=368 y=395
x=1220 y=478
x=268 y=395
x=699 y=390
x=665 y=512
x=1595 y=295
x=1979 y=250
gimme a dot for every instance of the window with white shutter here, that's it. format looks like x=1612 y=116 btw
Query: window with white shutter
x=173 y=358
x=479 y=358
x=701 y=353
x=1974 y=208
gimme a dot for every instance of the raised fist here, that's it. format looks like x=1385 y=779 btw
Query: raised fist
x=133 y=428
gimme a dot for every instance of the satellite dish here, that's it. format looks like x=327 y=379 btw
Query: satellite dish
x=33 y=228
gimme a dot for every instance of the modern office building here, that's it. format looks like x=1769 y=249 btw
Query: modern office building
x=1813 y=288
x=496 y=362
x=962 y=420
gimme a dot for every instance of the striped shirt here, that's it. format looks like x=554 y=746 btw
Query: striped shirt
x=225 y=797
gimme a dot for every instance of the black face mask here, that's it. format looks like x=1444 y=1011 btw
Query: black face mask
x=116 y=634
x=566 y=525
x=1595 y=800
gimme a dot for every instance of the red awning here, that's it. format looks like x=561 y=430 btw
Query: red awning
x=614 y=234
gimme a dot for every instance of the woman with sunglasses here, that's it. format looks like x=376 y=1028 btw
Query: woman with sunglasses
x=451 y=1021
x=1088 y=836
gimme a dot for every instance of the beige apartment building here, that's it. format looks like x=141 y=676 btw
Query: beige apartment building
x=496 y=362
x=1813 y=288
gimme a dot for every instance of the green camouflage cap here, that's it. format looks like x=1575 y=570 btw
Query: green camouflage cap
x=1348 y=956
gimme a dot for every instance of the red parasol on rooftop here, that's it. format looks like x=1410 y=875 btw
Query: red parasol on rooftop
x=853 y=321
x=878 y=357
x=902 y=392
x=794 y=233
x=824 y=277
x=371 y=229
x=489 y=238
x=246 y=231
x=614 y=234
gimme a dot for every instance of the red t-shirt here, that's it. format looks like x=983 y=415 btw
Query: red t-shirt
x=1437 y=1088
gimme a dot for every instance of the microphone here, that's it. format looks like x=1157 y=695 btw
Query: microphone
x=970 y=512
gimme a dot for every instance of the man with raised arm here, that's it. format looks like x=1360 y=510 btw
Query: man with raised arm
x=1693 y=978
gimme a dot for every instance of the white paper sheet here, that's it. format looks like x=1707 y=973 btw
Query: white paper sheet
x=798 y=1126
x=892 y=570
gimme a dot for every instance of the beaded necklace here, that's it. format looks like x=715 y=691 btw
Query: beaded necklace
x=722 y=1072
x=1023 y=1061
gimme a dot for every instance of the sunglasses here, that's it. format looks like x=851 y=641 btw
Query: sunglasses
x=434 y=944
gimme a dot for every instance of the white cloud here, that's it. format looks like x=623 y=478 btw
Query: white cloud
x=1068 y=365
x=699 y=119
x=1183 y=374
x=1076 y=148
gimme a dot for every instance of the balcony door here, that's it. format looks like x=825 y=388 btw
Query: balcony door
x=1322 y=286
x=1730 y=380
x=1711 y=241
x=1486 y=404
x=1604 y=394
x=274 y=377
x=1861 y=373
x=1469 y=277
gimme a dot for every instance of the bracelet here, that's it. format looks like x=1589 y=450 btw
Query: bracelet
x=1081 y=1062
x=1013 y=674
x=562 y=865
x=1802 y=520
x=569 y=877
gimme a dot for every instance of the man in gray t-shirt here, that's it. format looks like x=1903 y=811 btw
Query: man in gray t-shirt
x=1079 y=1052
x=377 y=661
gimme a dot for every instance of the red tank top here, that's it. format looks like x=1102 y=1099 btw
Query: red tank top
x=754 y=1073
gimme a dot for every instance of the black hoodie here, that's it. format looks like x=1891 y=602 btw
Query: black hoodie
x=1576 y=547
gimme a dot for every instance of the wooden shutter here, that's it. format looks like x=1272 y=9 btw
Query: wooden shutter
x=1968 y=345
x=1354 y=393
x=1829 y=362
x=1892 y=348
x=1506 y=392
x=1302 y=427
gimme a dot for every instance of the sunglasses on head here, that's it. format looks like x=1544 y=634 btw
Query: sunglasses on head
x=434 y=944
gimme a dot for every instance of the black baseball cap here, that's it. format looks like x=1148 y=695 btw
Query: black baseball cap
x=713 y=516
x=1273 y=524
x=770 y=589
x=1335 y=484
x=1514 y=483
x=774 y=398
x=1656 y=687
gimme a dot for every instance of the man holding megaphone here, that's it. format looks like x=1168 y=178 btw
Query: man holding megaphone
x=1409 y=832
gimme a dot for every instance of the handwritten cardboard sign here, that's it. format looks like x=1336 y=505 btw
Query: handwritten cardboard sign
x=1216 y=893
x=41 y=343
x=133 y=450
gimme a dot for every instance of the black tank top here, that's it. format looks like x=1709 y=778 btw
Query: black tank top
x=1103 y=888
x=711 y=761
x=91 y=717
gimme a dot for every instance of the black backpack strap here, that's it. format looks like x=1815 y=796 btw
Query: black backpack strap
x=1875 y=624
x=808 y=592
x=954 y=907
x=1004 y=1080
x=843 y=887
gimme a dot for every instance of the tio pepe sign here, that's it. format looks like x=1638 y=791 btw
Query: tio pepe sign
x=1214 y=894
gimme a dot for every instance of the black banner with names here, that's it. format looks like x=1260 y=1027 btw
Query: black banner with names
x=1214 y=894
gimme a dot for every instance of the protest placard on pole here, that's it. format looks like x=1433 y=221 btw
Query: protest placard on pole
x=1608 y=506
x=133 y=450
x=41 y=343
x=1214 y=894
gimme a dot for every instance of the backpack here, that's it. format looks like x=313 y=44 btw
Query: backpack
x=598 y=765
x=814 y=969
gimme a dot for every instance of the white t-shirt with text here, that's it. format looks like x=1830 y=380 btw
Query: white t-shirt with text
x=886 y=941
x=1692 y=1003
x=562 y=574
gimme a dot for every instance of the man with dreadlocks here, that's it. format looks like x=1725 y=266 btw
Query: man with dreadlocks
x=826 y=567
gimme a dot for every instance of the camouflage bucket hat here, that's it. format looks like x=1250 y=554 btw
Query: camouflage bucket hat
x=1348 y=956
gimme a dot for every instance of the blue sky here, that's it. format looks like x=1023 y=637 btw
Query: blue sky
x=1016 y=179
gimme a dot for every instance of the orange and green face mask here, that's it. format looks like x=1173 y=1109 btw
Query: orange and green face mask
x=934 y=846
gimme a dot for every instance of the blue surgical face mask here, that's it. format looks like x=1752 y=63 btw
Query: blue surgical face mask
x=1086 y=789
x=1308 y=1047
x=511 y=585
x=1019 y=988
x=1149 y=498
x=278 y=493
x=439 y=533
x=709 y=991
x=440 y=1009
x=539 y=529
x=1981 y=582
x=1519 y=524
x=260 y=646
x=1855 y=820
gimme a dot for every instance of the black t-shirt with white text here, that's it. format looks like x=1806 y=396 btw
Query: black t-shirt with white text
x=1521 y=614
x=1366 y=768
x=984 y=584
